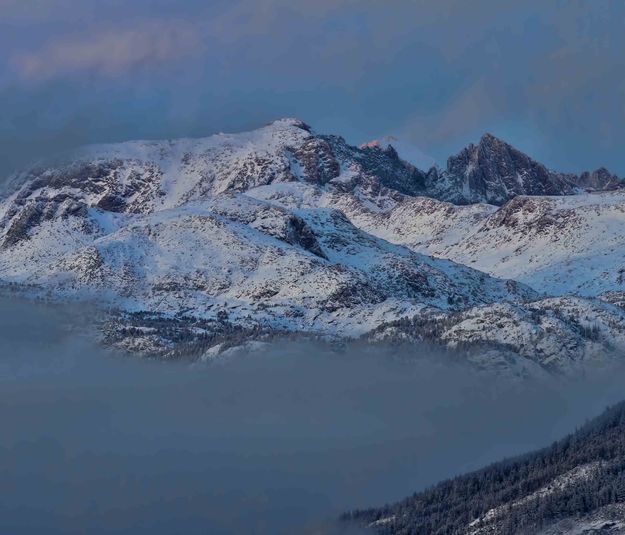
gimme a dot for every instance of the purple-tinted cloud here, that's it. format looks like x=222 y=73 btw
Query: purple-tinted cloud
x=546 y=76
x=109 y=52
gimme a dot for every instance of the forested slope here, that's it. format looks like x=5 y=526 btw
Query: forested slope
x=575 y=486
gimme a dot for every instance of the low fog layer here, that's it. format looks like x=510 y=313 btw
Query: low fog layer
x=273 y=443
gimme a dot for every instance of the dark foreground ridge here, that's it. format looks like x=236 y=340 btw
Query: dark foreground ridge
x=575 y=486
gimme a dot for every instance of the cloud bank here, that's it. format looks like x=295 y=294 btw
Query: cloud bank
x=274 y=443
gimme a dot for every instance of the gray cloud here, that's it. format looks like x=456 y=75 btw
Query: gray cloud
x=30 y=9
x=533 y=74
x=546 y=76
x=109 y=52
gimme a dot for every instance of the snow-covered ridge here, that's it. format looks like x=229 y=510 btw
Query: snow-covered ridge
x=557 y=245
x=173 y=228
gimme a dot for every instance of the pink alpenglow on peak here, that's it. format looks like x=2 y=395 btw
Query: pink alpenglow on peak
x=381 y=143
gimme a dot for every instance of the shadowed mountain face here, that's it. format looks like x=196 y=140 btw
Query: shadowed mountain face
x=577 y=486
x=383 y=162
x=494 y=172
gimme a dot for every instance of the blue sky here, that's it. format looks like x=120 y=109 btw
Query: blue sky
x=547 y=76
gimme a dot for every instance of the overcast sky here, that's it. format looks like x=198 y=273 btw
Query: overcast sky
x=548 y=76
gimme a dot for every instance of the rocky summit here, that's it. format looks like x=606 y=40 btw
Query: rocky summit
x=495 y=172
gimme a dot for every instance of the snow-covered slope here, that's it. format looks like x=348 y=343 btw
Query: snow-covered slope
x=561 y=334
x=232 y=253
x=144 y=176
x=563 y=245
x=557 y=245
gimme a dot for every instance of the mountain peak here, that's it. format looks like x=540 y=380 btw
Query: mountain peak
x=494 y=172
x=487 y=137
x=380 y=143
x=489 y=140
x=483 y=149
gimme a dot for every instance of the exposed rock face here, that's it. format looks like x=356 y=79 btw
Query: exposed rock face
x=383 y=163
x=317 y=161
x=494 y=172
x=33 y=212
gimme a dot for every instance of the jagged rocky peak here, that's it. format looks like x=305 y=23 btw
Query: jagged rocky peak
x=379 y=164
x=146 y=176
x=384 y=144
x=494 y=171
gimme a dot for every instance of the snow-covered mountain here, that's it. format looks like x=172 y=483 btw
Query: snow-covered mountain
x=282 y=230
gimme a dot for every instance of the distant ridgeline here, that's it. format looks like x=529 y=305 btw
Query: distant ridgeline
x=575 y=486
